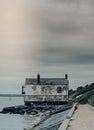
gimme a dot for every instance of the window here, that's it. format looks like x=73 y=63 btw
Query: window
x=59 y=89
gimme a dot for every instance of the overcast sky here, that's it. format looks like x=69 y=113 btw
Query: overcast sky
x=50 y=37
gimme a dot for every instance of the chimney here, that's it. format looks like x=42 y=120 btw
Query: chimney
x=38 y=78
x=66 y=76
x=23 y=92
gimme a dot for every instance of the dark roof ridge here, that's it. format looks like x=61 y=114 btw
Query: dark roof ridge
x=46 y=78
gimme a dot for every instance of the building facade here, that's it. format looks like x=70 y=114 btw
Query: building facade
x=46 y=90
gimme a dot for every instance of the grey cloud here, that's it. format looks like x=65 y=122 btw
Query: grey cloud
x=68 y=21
x=47 y=36
x=55 y=56
x=67 y=32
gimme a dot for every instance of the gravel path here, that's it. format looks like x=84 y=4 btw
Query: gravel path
x=83 y=118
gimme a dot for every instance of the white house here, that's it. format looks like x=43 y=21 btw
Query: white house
x=46 y=90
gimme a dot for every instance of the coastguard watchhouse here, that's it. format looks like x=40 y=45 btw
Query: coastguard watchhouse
x=46 y=90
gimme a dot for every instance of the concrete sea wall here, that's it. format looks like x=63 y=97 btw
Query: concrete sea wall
x=65 y=123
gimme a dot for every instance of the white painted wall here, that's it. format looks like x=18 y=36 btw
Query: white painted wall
x=50 y=91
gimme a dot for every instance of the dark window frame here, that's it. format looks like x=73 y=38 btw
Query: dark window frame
x=59 y=89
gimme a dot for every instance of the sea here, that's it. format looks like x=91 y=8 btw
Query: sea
x=14 y=121
x=21 y=122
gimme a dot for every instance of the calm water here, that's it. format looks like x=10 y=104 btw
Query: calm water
x=14 y=121
x=19 y=122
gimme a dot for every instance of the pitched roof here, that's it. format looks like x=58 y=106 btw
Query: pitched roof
x=47 y=81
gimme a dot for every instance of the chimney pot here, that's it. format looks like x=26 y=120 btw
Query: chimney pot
x=38 y=78
x=66 y=76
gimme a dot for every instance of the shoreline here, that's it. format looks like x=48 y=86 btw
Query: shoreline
x=65 y=123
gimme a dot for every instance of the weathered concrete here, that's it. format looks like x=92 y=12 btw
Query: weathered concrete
x=65 y=123
x=83 y=119
x=40 y=119
x=69 y=115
